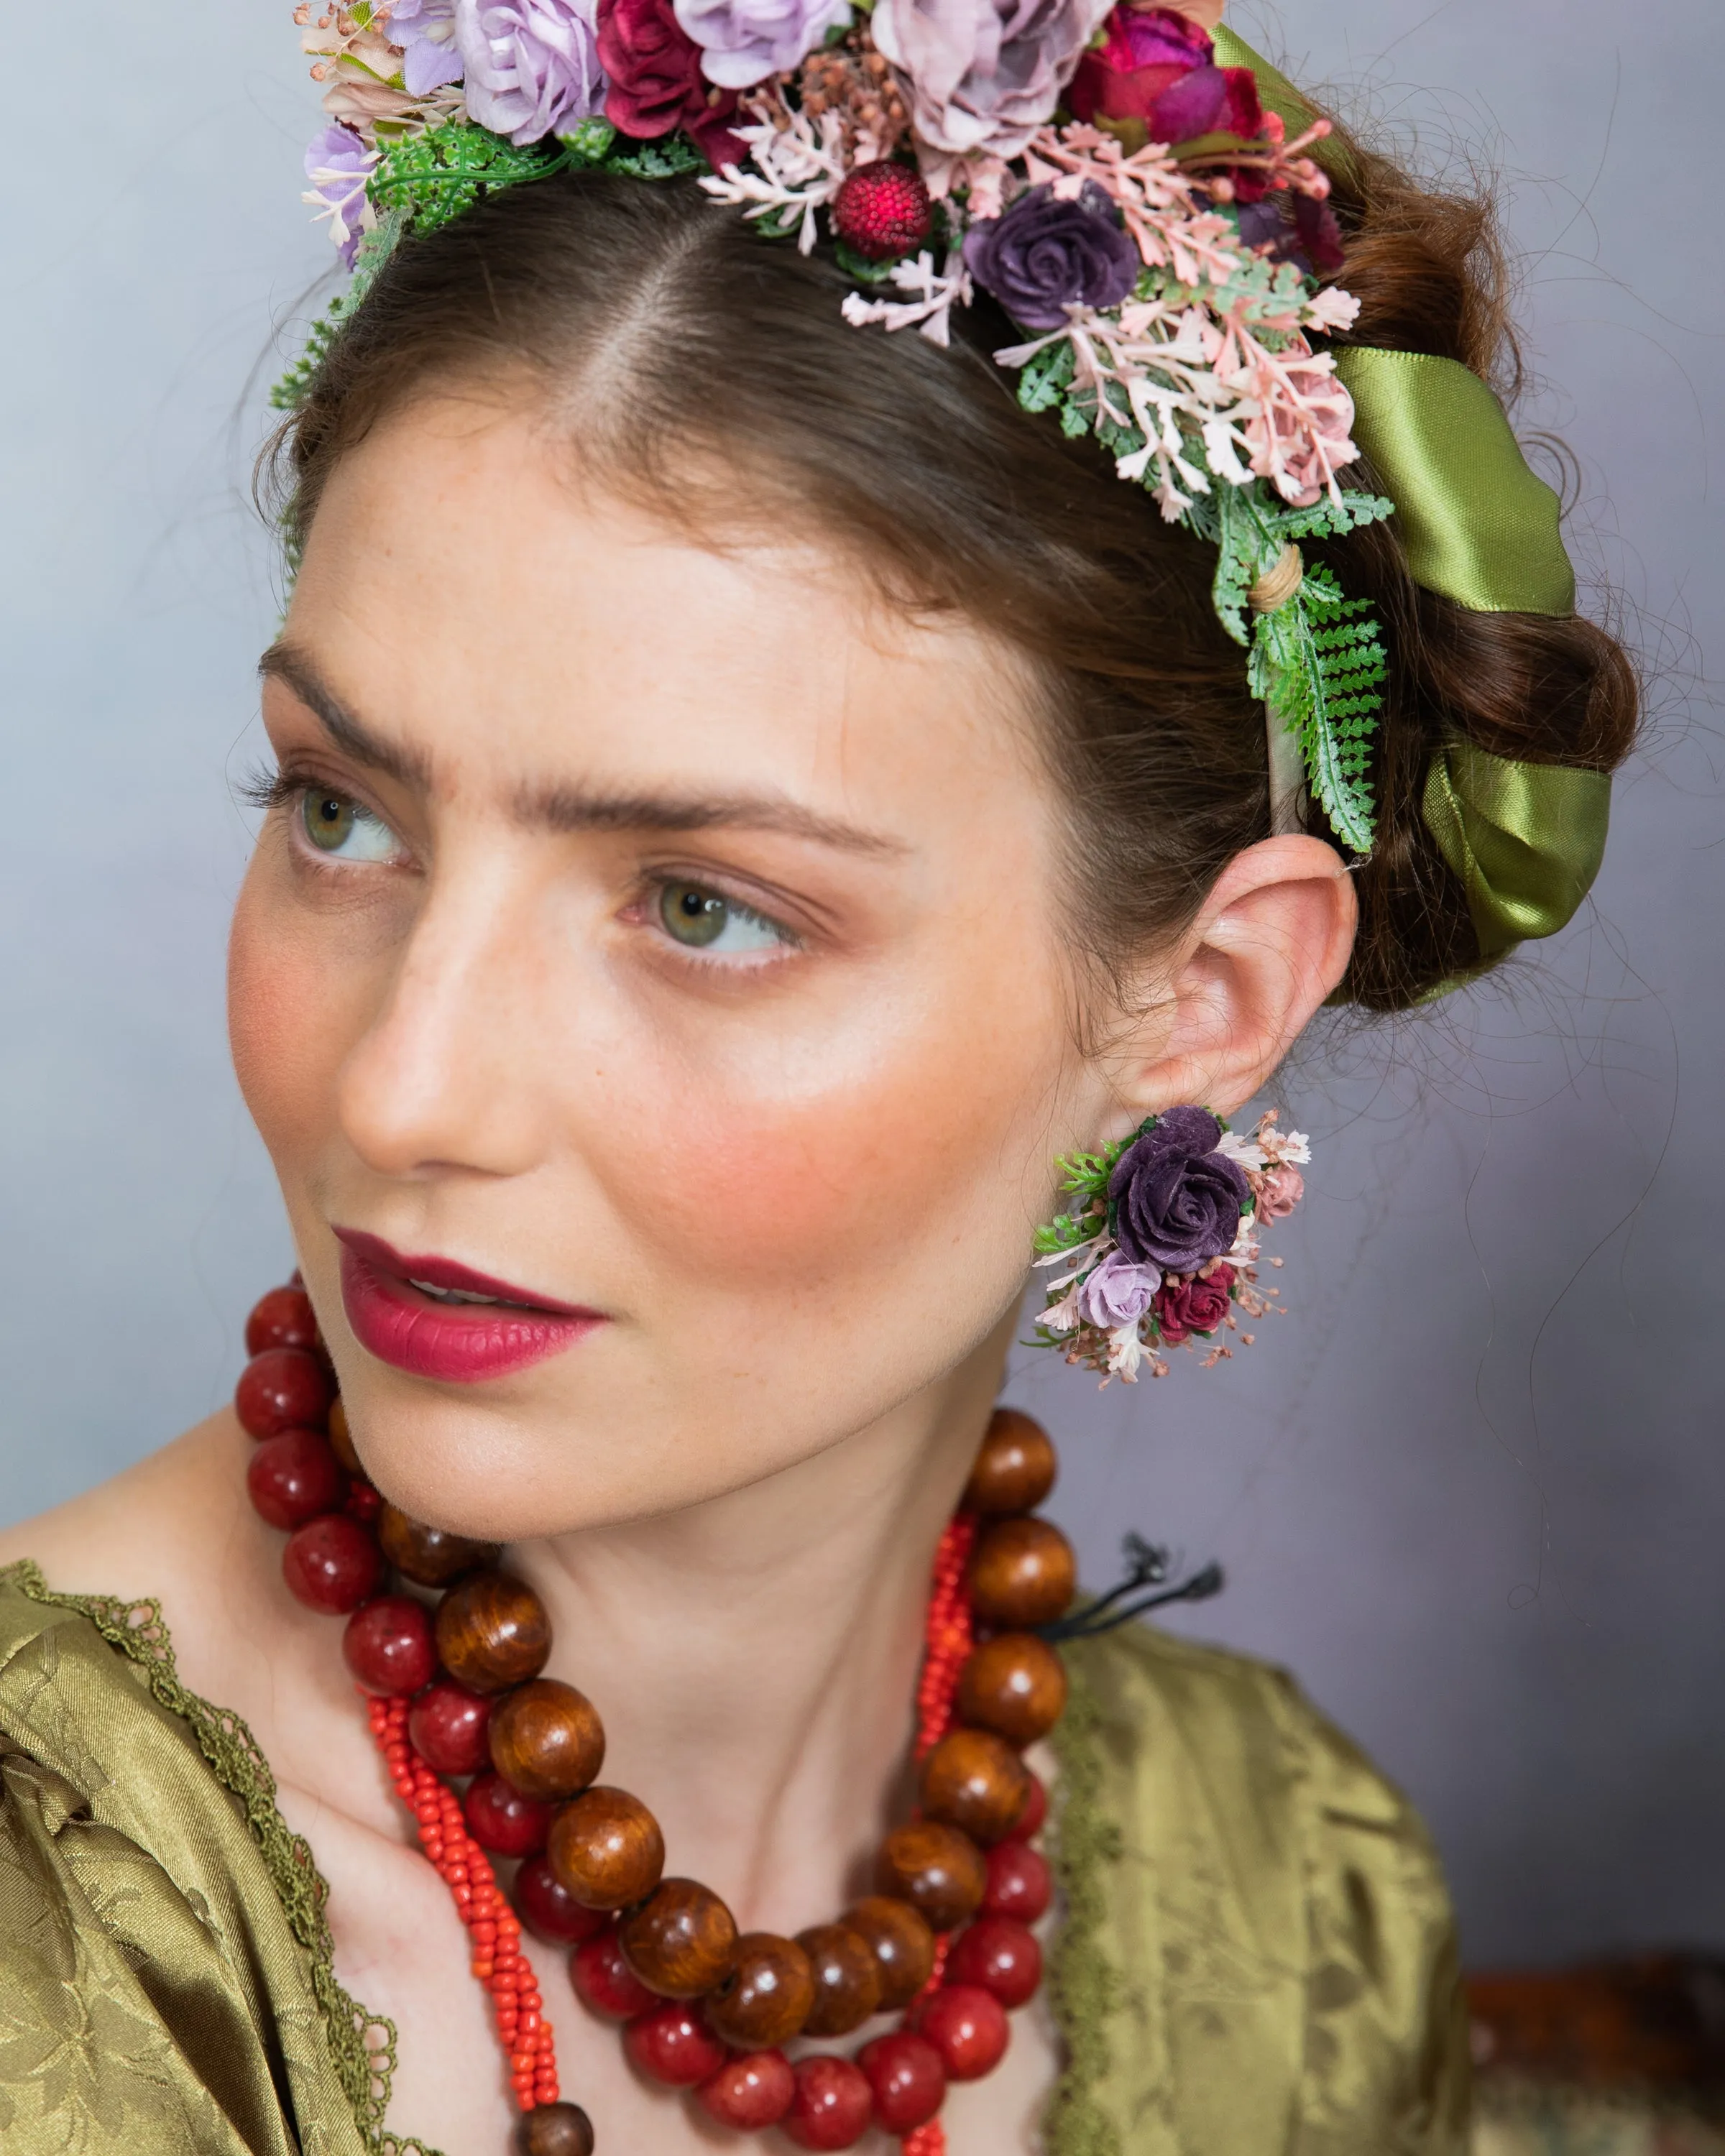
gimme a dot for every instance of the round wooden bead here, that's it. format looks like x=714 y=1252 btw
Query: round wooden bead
x=681 y=1943
x=1023 y=1573
x=847 y=1983
x=973 y=1779
x=388 y=1647
x=968 y=2026
x=283 y=1318
x=449 y=1727
x=901 y=1942
x=671 y=2042
x=937 y=1869
x=1020 y=1883
x=549 y=1910
x=492 y=1631
x=604 y=1980
x=906 y=2077
x=331 y=1564
x=831 y=2105
x=607 y=1849
x=430 y=1556
x=1014 y=1685
x=293 y=1476
x=749 y=2092
x=282 y=1388
x=767 y=1997
x=1015 y=1469
x=554 y=2129
x=342 y=1439
x=547 y=1739
x=1000 y=1955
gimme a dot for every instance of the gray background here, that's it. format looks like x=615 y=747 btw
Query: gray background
x=1472 y=1489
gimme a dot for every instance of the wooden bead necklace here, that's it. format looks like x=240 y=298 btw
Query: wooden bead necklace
x=456 y=1691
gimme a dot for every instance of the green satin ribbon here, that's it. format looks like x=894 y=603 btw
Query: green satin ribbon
x=1479 y=527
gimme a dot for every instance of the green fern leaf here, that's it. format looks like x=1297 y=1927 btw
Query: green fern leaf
x=1318 y=662
x=433 y=177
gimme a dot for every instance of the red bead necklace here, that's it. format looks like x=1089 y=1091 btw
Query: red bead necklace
x=455 y=1691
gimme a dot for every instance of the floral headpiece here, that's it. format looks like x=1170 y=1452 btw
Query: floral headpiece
x=1131 y=204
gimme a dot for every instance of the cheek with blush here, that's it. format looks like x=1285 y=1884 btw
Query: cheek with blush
x=284 y=1027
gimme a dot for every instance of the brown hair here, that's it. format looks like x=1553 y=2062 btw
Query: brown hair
x=669 y=336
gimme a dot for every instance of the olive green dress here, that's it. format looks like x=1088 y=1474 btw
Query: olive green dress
x=1256 y=1957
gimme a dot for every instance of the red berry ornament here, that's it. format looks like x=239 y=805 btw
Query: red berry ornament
x=294 y=1476
x=388 y=1645
x=968 y=2026
x=1020 y=1882
x=1028 y=1822
x=604 y=1981
x=881 y=212
x=450 y=1727
x=552 y=1911
x=332 y=1564
x=502 y=1820
x=907 y=2078
x=283 y=1319
x=282 y=1388
x=671 y=2042
x=749 y=2092
x=832 y=2106
x=1001 y=1955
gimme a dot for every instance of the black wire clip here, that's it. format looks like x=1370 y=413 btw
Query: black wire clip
x=1146 y=1566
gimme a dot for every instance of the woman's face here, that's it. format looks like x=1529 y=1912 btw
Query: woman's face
x=668 y=938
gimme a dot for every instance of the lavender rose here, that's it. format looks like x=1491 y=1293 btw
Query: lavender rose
x=532 y=66
x=1117 y=1293
x=983 y=74
x=1176 y=1200
x=338 y=165
x=1044 y=253
x=425 y=31
x=1183 y=1308
x=744 y=41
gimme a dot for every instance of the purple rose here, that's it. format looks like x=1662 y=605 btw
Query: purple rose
x=1117 y=1293
x=1044 y=253
x=1183 y=1308
x=532 y=66
x=744 y=41
x=983 y=74
x=1176 y=1200
x=338 y=165
x=425 y=31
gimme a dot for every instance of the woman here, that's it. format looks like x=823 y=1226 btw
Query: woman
x=749 y=797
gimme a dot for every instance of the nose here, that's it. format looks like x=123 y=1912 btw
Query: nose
x=442 y=1080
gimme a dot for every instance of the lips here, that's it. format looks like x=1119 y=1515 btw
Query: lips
x=435 y=1318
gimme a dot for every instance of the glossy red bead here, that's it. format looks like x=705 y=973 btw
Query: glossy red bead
x=604 y=1981
x=749 y=2092
x=671 y=2042
x=548 y=1909
x=1028 y=1823
x=295 y=1475
x=283 y=1388
x=502 y=1820
x=332 y=1564
x=388 y=1647
x=449 y=1727
x=283 y=1318
x=907 y=2079
x=1020 y=1883
x=968 y=2026
x=832 y=2106
x=1000 y=1955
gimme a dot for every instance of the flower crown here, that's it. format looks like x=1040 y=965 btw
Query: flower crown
x=1128 y=202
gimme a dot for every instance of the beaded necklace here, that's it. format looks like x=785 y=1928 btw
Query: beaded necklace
x=454 y=1691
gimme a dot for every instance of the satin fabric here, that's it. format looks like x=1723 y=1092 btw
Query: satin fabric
x=1278 y=1954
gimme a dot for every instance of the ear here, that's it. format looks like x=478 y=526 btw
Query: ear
x=1272 y=940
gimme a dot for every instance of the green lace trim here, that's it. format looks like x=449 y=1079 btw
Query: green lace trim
x=1083 y=1986
x=361 y=2044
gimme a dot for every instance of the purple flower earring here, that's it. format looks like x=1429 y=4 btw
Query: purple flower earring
x=1159 y=1239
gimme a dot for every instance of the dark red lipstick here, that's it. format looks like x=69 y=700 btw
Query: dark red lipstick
x=438 y=1319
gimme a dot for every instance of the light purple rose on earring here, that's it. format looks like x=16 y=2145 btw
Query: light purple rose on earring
x=532 y=66
x=425 y=31
x=744 y=41
x=983 y=74
x=1118 y=1292
x=1176 y=1200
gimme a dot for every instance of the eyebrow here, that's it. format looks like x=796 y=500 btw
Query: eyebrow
x=564 y=808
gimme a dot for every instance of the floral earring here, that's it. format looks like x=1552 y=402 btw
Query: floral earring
x=1160 y=1239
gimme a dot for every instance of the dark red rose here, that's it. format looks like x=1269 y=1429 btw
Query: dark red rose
x=1183 y=1308
x=655 y=83
x=1156 y=71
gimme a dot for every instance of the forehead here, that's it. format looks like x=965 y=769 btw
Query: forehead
x=466 y=592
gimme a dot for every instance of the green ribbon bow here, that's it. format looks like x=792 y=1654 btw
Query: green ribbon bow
x=1478 y=528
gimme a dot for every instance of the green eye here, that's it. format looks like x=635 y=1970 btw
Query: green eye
x=702 y=919
x=337 y=825
x=329 y=820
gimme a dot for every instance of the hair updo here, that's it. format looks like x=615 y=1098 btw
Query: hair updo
x=702 y=366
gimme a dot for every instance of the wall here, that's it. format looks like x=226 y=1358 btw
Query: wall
x=1471 y=1489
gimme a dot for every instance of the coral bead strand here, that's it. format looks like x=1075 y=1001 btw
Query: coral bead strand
x=498 y=1962
x=948 y=1634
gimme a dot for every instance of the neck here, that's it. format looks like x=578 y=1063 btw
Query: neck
x=755 y=1657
